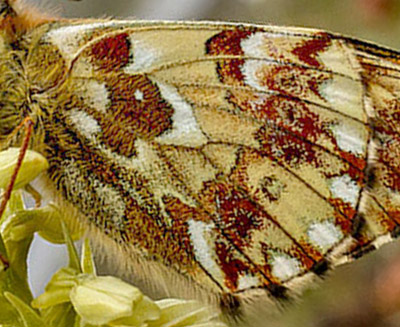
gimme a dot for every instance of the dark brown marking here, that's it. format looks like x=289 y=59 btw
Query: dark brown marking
x=285 y=147
x=358 y=253
x=238 y=216
x=279 y=292
x=230 y=306
x=395 y=233
x=321 y=267
x=358 y=224
x=271 y=187
x=370 y=176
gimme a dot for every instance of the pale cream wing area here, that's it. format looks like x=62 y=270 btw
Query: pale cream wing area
x=242 y=156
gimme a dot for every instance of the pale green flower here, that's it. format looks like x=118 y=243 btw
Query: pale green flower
x=32 y=165
x=100 y=300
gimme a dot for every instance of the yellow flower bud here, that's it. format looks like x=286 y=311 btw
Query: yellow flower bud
x=99 y=300
x=32 y=165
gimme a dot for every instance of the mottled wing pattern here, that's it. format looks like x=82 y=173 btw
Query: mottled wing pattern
x=243 y=156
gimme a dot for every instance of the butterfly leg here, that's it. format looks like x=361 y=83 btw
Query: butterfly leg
x=35 y=195
x=4 y=262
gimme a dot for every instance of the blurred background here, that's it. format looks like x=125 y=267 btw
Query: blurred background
x=377 y=20
x=365 y=293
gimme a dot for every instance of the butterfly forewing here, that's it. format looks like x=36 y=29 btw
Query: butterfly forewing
x=242 y=156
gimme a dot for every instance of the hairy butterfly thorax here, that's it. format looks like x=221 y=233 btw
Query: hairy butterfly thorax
x=227 y=162
x=19 y=90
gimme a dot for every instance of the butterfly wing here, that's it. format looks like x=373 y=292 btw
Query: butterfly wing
x=242 y=156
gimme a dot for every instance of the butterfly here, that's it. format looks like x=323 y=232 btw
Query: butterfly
x=218 y=161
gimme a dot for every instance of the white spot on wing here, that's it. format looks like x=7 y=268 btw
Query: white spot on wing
x=69 y=38
x=185 y=130
x=95 y=95
x=324 y=234
x=381 y=240
x=344 y=95
x=254 y=45
x=200 y=236
x=339 y=57
x=250 y=70
x=284 y=267
x=349 y=139
x=84 y=123
x=139 y=96
x=247 y=281
x=143 y=55
x=343 y=187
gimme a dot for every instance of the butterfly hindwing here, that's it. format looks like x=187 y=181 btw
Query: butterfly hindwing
x=242 y=156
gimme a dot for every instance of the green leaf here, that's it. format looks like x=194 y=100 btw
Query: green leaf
x=62 y=315
x=15 y=204
x=87 y=262
x=17 y=250
x=45 y=220
x=13 y=279
x=72 y=253
x=29 y=317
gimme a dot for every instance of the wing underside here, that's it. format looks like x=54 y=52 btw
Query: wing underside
x=253 y=155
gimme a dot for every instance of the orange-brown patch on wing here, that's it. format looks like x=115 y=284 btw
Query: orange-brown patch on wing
x=229 y=43
x=308 y=50
x=293 y=206
x=130 y=116
x=358 y=162
x=344 y=216
x=286 y=147
x=180 y=211
x=294 y=120
x=250 y=229
x=232 y=267
x=291 y=81
x=232 y=264
x=111 y=53
x=237 y=215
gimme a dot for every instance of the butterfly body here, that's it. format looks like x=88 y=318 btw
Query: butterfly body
x=236 y=159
